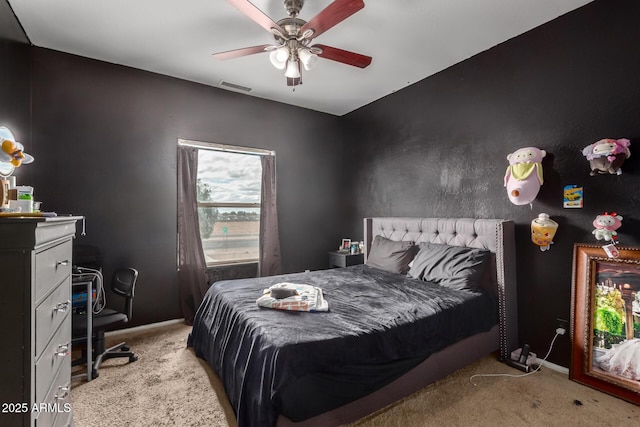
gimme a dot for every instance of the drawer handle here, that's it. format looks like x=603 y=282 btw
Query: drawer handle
x=65 y=262
x=63 y=392
x=63 y=350
x=62 y=307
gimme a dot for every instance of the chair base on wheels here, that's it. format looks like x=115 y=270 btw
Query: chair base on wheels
x=119 y=350
x=100 y=354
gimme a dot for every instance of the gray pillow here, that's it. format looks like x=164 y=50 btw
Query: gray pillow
x=450 y=266
x=390 y=255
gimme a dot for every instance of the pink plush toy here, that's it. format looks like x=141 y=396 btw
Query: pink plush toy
x=524 y=175
x=606 y=226
x=607 y=155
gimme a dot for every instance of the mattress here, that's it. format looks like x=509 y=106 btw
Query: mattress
x=300 y=364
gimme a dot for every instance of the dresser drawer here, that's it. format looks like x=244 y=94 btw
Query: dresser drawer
x=51 y=313
x=55 y=409
x=56 y=354
x=52 y=265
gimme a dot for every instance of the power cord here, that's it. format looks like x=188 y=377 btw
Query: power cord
x=100 y=301
x=559 y=331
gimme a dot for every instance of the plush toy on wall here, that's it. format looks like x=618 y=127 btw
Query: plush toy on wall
x=12 y=151
x=607 y=155
x=606 y=226
x=524 y=175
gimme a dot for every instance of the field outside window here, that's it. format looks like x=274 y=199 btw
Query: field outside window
x=229 y=190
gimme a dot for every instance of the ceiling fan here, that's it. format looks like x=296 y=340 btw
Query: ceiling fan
x=293 y=49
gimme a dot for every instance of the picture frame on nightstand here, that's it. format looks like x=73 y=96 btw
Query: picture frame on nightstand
x=346 y=245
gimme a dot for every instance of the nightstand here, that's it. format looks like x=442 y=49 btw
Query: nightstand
x=344 y=259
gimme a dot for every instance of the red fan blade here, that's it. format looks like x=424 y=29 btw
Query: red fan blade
x=344 y=56
x=332 y=15
x=256 y=14
x=236 y=53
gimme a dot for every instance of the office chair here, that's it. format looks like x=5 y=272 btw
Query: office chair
x=123 y=284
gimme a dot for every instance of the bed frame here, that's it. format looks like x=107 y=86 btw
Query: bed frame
x=495 y=235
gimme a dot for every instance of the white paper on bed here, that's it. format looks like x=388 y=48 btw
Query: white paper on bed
x=307 y=298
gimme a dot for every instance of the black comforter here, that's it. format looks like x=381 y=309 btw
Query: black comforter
x=301 y=364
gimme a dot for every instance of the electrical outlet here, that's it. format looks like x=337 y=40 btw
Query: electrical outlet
x=562 y=324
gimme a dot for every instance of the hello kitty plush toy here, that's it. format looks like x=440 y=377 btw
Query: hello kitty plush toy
x=523 y=177
x=606 y=226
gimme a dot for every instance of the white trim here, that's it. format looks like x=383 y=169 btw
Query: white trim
x=144 y=327
x=225 y=147
x=555 y=367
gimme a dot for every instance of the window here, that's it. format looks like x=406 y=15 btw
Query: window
x=229 y=191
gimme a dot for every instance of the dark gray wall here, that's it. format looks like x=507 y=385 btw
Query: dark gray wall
x=105 y=137
x=15 y=82
x=439 y=147
x=104 y=140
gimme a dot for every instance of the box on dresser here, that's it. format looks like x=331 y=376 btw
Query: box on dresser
x=35 y=308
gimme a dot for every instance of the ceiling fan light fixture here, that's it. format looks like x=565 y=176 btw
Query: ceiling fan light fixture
x=283 y=53
x=293 y=69
x=293 y=36
x=308 y=58
x=275 y=61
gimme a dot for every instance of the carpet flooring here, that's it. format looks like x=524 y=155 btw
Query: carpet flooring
x=169 y=386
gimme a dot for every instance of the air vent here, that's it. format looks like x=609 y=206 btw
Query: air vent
x=235 y=86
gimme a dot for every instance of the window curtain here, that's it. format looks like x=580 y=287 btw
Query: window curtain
x=192 y=268
x=270 y=262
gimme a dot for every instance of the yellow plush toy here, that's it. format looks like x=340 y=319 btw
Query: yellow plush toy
x=12 y=151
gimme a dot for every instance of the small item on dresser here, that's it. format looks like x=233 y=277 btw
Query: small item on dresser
x=25 y=198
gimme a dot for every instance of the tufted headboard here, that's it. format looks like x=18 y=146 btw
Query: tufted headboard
x=495 y=235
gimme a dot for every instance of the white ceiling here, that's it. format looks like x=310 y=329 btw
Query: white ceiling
x=408 y=40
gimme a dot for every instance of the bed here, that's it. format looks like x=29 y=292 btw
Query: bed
x=386 y=335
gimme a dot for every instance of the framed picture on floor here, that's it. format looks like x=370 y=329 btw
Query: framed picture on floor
x=605 y=320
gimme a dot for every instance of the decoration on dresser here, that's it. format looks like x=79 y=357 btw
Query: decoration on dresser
x=543 y=230
x=11 y=151
x=606 y=226
x=523 y=177
x=607 y=156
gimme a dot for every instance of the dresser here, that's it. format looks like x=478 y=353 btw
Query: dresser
x=35 y=314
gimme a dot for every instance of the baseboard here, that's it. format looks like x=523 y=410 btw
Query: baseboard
x=555 y=367
x=144 y=327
